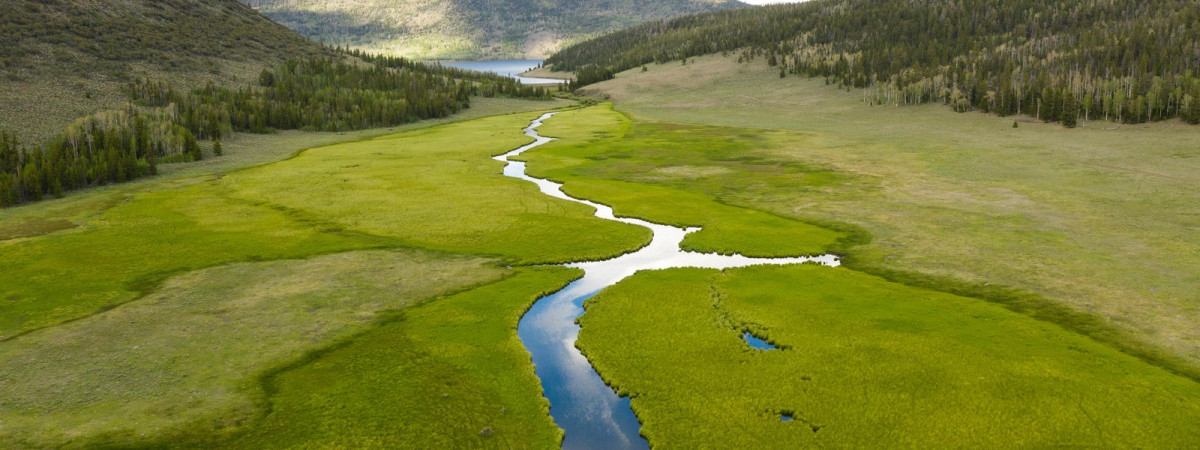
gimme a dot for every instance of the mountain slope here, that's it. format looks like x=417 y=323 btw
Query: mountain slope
x=1059 y=60
x=67 y=58
x=469 y=29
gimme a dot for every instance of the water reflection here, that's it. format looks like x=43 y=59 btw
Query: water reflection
x=757 y=343
x=512 y=68
x=592 y=415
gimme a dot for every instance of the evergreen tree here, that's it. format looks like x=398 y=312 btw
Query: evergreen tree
x=190 y=147
x=1070 y=111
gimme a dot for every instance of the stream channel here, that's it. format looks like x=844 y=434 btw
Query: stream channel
x=589 y=411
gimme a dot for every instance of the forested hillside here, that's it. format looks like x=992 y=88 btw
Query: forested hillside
x=1056 y=60
x=469 y=29
x=167 y=75
x=63 y=59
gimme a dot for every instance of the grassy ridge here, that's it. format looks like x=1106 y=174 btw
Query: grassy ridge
x=74 y=274
x=866 y=361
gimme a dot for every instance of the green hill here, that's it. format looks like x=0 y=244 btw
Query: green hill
x=63 y=59
x=470 y=29
x=1059 y=60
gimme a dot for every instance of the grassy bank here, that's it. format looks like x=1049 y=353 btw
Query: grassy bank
x=673 y=174
x=1097 y=219
x=441 y=375
x=866 y=362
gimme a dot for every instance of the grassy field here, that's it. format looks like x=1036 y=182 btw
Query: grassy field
x=1100 y=219
x=187 y=359
x=142 y=312
x=72 y=257
x=866 y=363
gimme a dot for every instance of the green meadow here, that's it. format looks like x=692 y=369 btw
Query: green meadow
x=1099 y=220
x=867 y=360
x=366 y=292
x=190 y=354
x=673 y=174
x=865 y=363
x=206 y=283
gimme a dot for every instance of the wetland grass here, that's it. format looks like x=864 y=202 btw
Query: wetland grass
x=867 y=362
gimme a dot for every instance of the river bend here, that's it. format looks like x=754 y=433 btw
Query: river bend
x=591 y=413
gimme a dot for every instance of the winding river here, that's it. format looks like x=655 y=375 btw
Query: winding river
x=590 y=412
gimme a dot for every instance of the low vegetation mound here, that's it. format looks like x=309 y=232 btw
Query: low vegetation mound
x=1060 y=61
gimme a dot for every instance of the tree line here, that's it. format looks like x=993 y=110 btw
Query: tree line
x=163 y=124
x=486 y=84
x=1131 y=61
x=316 y=94
x=107 y=147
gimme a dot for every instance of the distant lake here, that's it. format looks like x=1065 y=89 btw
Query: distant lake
x=507 y=67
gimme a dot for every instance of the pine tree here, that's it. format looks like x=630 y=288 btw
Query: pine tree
x=190 y=147
x=1070 y=111
x=216 y=148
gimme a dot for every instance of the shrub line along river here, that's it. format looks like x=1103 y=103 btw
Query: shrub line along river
x=588 y=410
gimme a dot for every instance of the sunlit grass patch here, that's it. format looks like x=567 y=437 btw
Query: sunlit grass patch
x=439 y=189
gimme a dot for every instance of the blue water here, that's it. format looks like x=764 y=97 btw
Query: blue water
x=785 y=417
x=508 y=67
x=593 y=416
x=755 y=342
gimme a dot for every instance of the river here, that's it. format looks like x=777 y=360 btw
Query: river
x=591 y=413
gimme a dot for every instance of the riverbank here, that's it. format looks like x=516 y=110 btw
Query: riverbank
x=542 y=72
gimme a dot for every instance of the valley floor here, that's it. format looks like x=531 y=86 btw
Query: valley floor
x=366 y=294
x=1099 y=219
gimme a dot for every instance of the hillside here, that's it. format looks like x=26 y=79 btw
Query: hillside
x=68 y=58
x=101 y=93
x=469 y=29
x=1062 y=61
